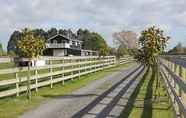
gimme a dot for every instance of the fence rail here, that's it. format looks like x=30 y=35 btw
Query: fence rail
x=175 y=78
x=58 y=69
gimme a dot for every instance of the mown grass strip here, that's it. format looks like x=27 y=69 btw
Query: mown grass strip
x=147 y=101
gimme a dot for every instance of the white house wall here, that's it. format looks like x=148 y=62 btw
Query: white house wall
x=58 y=52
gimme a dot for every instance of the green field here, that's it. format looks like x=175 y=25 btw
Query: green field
x=149 y=100
x=12 y=107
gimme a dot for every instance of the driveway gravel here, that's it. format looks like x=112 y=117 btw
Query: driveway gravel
x=88 y=101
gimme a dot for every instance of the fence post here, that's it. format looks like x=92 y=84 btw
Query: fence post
x=63 y=81
x=172 y=66
x=184 y=75
x=115 y=61
x=95 y=64
x=100 y=63
x=17 y=83
x=106 y=62
x=36 y=82
x=85 y=65
x=79 y=68
x=72 y=68
x=51 y=77
x=181 y=75
x=90 y=62
x=175 y=68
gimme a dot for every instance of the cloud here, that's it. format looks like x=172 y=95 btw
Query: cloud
x=104 y=16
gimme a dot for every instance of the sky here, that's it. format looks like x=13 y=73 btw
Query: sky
x=102 y=16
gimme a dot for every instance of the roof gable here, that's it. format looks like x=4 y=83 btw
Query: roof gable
x=58 y=35
x=64 y=37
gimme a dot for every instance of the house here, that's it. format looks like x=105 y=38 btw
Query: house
x=60 y=45
x=66 y=45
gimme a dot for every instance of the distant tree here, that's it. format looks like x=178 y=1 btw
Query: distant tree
x=86 y=37
x=11 y=54
x=97 y=42
x=63 y=32
x=52 y=32
x=103 y=50
x=178 y=49
x=1 y=49
x=30 y=47
x=121 y=51
x=40 y=33
x=93 y=41
x=112 y=51
x=12 y=43
x=125 y=41
x=126 y=38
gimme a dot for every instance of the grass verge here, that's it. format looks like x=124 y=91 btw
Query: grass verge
x=12 y=107
x=144 y=102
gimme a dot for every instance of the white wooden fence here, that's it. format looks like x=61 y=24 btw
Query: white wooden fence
x=175 y=79
x=58 y=69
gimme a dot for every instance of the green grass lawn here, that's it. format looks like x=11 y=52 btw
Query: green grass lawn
x=147 y=101
x=7 y=65
x=12 y=107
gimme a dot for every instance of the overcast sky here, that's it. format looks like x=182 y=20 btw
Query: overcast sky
x=103 y=16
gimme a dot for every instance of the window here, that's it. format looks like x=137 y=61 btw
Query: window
x=54 y=41
x=73 y=43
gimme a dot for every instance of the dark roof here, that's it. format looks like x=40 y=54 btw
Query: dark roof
x=63 y=37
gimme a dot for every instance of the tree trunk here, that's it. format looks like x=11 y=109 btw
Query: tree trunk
x=158 y=78
x=28 y=81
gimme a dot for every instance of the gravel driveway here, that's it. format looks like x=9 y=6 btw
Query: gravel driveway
x=85 y=102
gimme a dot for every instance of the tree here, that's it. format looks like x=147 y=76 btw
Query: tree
x=30 y=47
x=152 y=42
x=40 y=33
x=126 y=42
x=1 y=50
x=93 y=41
x=112 y=51
x=86 y=37
x=52 y=32
x=63 y=32
x=178 y=49
x=126 y=38
x=103 y=50
x=121 y=51
x=12 y=43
